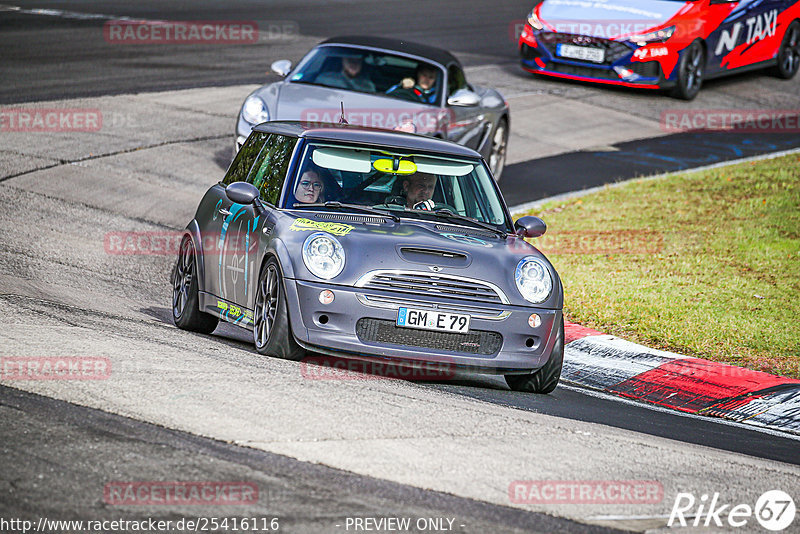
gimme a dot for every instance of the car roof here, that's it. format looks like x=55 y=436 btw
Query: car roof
x=432 y=53
x=352 y=133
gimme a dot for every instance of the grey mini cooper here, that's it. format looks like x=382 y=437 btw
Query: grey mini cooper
x=374 y=245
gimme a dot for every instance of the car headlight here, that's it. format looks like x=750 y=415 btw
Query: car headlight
x=255 y=110
x=323 y=255
x=658 y=36
x=534 y=21
x=533 y=280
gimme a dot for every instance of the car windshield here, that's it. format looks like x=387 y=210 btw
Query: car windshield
x=369 y=71
x=397 y=182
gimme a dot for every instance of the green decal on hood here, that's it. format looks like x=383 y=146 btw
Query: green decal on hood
x=300 y=225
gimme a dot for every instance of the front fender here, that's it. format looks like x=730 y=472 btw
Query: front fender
x=193 y=231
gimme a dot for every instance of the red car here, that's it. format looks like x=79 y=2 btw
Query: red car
x=657 y=44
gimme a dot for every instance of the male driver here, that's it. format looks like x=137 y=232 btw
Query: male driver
x=350 y=77
x=418 y=189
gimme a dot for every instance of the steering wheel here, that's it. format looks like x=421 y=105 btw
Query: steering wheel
x=395 y=200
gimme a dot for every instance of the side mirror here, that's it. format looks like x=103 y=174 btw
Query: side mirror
x=530 y=226
x=242 y=193
x=282 y=67
x=464 y=98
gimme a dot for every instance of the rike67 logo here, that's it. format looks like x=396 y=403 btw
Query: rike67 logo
x=774 y=510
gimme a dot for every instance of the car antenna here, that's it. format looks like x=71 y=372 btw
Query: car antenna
x=342 y=120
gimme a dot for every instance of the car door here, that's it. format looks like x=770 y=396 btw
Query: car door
x=736 y=42
x=467 y=122
x=216 y=213
x=240 y=265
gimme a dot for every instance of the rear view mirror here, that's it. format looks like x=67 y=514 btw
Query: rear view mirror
x=242 y=193
x=530 y=226
x=282 y=67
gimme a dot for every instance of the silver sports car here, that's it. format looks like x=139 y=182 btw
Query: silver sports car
x=383 y=83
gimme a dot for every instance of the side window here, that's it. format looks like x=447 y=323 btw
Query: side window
x=455 y=79
x=269 y=171
x=240 y=167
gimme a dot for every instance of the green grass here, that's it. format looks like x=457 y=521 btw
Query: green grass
x=704 y=264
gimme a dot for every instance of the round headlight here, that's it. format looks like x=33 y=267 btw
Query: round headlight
x=323 y=255
x=533 y=279
x=255 y=110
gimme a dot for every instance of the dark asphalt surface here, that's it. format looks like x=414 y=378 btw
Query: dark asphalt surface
x=48 y=57
x=574 y=171
x=58 y=457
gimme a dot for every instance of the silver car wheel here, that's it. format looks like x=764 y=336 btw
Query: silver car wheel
x=184 y=271
x=266 y=306
x=497 y=158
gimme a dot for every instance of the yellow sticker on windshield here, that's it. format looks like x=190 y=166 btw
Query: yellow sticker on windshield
x=404 y=166
x=300 y=225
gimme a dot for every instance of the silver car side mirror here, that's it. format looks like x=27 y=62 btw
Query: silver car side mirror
x=282 y=67
x=464 y=97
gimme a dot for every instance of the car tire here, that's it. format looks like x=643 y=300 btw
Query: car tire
x=186 y=312
x=690 y=72
x=788 y=53
x=545 y=379
x=272 y=332
x=497 y=156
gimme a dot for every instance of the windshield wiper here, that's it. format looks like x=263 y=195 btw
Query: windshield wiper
x=446 y=213
x=358 y=207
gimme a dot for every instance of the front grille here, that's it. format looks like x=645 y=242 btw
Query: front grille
x=647 y=69
x=589 y=72
x=382 y=331
x=614 y=50
x=433 y=285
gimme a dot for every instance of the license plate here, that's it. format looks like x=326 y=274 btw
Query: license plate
x=596 y=55
x=433 y=320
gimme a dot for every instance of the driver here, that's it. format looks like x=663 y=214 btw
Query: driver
x=351 y=76
x=418 y=189
x=424 y=89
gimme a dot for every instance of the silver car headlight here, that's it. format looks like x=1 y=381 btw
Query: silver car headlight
x=658 y=36
x=323 y=255
x=534 y=21
x=533 y=279
x=255 y=110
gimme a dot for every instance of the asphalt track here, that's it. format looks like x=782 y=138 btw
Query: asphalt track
x=63 y=297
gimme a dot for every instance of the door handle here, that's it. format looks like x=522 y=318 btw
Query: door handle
x=224 y=211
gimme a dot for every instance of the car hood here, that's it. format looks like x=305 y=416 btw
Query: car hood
x=607 y=18
x=430 y=247
x=323 y=104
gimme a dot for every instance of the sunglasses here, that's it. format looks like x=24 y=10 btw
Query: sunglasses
x=307 y=184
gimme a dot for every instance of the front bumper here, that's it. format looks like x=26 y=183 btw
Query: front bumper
x=360 y=324
x=538 y=55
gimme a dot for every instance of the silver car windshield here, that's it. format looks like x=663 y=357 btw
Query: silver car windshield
x=368 y=71
x=397 y=182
